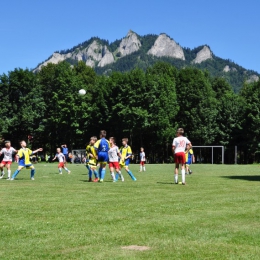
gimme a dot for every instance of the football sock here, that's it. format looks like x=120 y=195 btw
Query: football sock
x=144 y=168
x=131 y=175
x=183 y=176
x=95 y=173
x=99 y=172
x=117 y=176
x=90 y=173
x=60 y=170
x=15 y=174
x=141 y=168
x=113 y=176
x=32 y=173
x=3 y=172
x=9 y=173
x=87 y=166
x=66 y=169
x=176 y=178
x=103 y=173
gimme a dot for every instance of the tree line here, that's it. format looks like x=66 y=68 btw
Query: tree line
x=145 y=106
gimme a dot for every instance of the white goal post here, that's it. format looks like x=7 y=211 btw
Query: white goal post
x=212 y=150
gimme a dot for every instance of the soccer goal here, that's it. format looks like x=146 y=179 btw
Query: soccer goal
x=78 y=155
x=201 y=155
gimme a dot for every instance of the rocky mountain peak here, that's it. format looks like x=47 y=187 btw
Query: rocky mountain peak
x=129 y=44
x=165 y=46
x=203 y=55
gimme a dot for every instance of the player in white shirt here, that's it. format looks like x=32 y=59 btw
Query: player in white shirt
x=113 y=156
x=178 y=149
x=142 y=160
x=8 y=152
x=62 y=160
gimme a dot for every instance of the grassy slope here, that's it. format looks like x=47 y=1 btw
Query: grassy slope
x=65 y=217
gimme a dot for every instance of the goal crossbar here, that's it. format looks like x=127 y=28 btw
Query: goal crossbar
x=212 y=150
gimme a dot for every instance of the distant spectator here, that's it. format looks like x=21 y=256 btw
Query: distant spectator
x=65 y=151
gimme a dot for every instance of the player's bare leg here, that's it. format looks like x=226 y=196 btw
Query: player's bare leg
x=2 y=171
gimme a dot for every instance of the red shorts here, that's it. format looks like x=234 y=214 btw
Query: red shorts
x=4 y=163
x=142 y=163
x=114 y=165
x=180 y=158
x=61 y=165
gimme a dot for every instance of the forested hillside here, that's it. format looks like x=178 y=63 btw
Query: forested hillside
x=145 y=106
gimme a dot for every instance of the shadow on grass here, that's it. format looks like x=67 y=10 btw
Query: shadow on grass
x=243 y=177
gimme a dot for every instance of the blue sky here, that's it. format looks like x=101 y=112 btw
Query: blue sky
x=31 y=30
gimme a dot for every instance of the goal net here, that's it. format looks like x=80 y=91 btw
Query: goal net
x=209 y=154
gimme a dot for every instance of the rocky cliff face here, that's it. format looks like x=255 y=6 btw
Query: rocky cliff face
x=164 y=46
x=129 y=44
x=252 y=79
x=228 y=69
x=203 y=55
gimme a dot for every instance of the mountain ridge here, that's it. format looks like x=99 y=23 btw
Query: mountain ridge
x=134 y=50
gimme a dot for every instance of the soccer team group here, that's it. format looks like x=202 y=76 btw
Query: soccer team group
x=99 y=153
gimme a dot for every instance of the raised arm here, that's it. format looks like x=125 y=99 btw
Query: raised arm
x=38 y=150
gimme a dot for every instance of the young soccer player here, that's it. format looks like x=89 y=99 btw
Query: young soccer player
x=91 y=163
x=142 y=160
x=178 y=148
x=24 y=160
x=102 y=147
x=62 y=160
x=113 y=155
x=189 y=155
x=126 y=153
x=7 y=160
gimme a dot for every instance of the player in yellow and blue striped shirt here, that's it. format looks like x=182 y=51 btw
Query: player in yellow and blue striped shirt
x=24 y=160
x=126 y=153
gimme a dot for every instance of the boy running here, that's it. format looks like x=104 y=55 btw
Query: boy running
x=113 y=155
x=7 y=160
x=91 y=163
x=189 y=155
x=142 y=160
x=126 y=153
x=24 y=160
x=102 y=147
x=178 y=148
x=62 y=160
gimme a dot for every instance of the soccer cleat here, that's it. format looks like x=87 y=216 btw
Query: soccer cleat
x=12 y=179
x=190 y=171
x=8 y=179
x=90 y=180
x=32 y=179
x=101 y=180
x=183 y=183
x=2 y=175
x=134 y=179
x=96 y=180
x=69 y=172
x=122 y=178
x=60 y=172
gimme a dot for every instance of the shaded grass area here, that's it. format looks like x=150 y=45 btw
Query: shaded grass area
x=215 y=216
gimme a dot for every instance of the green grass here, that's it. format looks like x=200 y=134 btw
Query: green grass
x=215 y=216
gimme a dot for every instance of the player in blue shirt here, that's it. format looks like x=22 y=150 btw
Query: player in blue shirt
x=102 y=147
x=65 y=151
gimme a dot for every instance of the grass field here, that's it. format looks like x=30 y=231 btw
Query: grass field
x=215 y=216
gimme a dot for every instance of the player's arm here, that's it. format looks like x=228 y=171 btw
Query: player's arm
x=38 y=150
x=55 y=157
x=63 y=145
x=193 y=158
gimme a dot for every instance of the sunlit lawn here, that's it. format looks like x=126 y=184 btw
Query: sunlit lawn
x=215 y=216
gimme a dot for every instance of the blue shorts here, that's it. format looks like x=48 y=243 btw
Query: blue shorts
x=127 y=162
x=102 y=157
x=189 y=162
x=22 y=164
